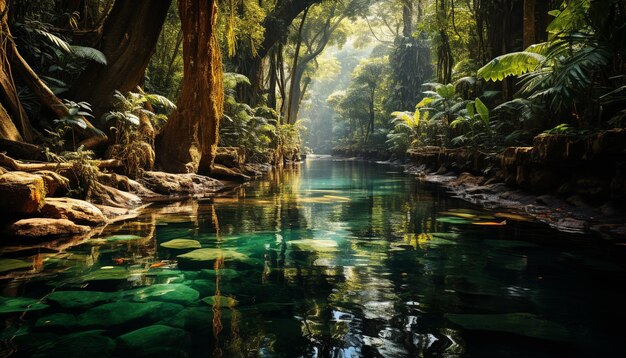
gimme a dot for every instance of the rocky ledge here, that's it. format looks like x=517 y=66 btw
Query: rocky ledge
x=574 y=184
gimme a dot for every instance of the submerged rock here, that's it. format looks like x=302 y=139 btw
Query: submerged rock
x=56 y=321
x=20 y=304
x=22 y=193
x=318 y=245
x=90 y=344
x=44 y=227
x=123 y=313
x=79 y=299
x=78 y=211
x=154 y=340
x=174 y=293
x=212 y=254
x=182 y=244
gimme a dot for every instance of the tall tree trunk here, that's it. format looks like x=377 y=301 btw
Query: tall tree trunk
x=129 y=36
x=296 y=77
x=189 y=140
x=14 y=124
x=529 y=23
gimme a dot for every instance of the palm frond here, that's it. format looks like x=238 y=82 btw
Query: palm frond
x=511 y=64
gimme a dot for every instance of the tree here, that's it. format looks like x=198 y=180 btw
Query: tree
x=189 y=140
x=128 y=40
x=369 y=74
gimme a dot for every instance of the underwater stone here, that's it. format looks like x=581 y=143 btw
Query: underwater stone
x=118 y=313
x=57 y=321
x=314 y=245
x=181 y=244
x=20 y=304
x=175 y=293
x=223 y=301
x=79 y=299
x=90 y=344
x=153 y=339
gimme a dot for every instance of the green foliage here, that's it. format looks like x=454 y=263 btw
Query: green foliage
x=511 y=64
x=243 y=126
x=135 y=125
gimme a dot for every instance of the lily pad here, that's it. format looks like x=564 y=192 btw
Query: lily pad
x=223 y=301
x=14 y=264
x=79 y=299
x=523 y=324
x=182 y=244
x=314 y=245
x=20 y=304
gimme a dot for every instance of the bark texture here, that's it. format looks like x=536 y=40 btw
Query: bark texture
x=129 y=36
x=14 y=123
x=189 y=140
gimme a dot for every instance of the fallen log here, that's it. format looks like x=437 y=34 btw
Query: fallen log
x=10 y=163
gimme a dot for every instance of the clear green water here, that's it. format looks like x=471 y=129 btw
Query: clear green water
x=331 y=259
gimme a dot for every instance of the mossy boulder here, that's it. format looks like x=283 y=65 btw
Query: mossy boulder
x=20 y=304
x=92 y=344
x=181 y=244
x=57 y=321
x=174 y=293
x=153 y=339
x=125 y=313
x=79 y=299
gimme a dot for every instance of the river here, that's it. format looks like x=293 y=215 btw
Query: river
x=330 y=258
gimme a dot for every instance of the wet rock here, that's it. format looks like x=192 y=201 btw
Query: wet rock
x=543 y=180
x=109 y=196
x=114 y=214
x=22 y=193
x=78 y=211
x=124 y=183
x=38 y=228
x=594 y=188
x=222 y=172
x=91 y=344
x=609 y=142
x=233 y=157
x=153 y=340
x=179 y=184
x=56 y=184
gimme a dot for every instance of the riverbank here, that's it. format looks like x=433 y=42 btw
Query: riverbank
x=573 y=184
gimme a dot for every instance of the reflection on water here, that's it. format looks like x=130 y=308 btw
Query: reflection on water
x=327 y=259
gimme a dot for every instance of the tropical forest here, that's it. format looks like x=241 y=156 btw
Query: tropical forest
x=312 y=178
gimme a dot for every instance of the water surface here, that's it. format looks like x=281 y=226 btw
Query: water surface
x=326 y=259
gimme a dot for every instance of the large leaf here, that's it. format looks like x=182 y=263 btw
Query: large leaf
x=511 y=64
x=482 y=110
x=89 y=53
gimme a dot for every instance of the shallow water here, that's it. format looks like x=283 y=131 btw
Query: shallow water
x=328 y=259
